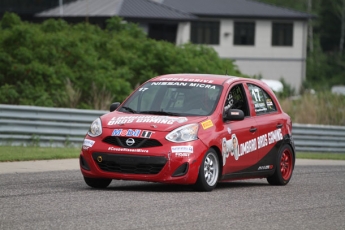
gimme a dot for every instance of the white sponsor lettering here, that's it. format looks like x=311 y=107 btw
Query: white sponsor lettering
x=202 y=85
x=231 y=146
x=128 y=150
x=146 y=119
x=275 y=136
x=248 y=147
x=264 y=167
x=169 y=83
x=186 y=79
x=88 y=143
x=262 y=141
x=182 y=154
x=182 y=149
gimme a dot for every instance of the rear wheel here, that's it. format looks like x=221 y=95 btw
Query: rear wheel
x=284 y=167
x=208 y=172
x=96 y=182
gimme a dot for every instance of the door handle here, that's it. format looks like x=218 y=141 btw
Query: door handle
x=252 y=129
x=279 y=126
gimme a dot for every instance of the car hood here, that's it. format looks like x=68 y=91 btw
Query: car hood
x=147 y=121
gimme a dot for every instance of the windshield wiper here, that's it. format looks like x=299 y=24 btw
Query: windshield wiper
x=129 y=109
x=160 y=113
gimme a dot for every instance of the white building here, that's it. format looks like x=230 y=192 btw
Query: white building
x=263 y=39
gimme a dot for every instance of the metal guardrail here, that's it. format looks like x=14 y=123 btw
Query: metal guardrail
x=58 y=127
x=42 y=126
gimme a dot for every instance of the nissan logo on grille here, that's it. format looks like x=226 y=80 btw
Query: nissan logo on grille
x=130 y=141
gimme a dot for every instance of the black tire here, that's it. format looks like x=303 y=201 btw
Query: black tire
x=97 y=183
x=285 y=164
x=208 y=172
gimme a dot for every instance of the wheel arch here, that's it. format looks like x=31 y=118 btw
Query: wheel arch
x=220 y=159
x=289 y=140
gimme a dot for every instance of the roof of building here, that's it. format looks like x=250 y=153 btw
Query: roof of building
x=235 y=8
x=122 y=8
x=173 y=9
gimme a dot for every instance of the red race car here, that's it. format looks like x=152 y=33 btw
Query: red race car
x=194 y=129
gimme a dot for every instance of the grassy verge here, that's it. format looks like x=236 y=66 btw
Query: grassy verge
x=19 y=153
x=321 y=156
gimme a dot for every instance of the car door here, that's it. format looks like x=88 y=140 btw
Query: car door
x=239 y=137
x=269 y=122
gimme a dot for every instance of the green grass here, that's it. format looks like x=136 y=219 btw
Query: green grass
x=26 y=153
x=321 y=156
x=21 y=153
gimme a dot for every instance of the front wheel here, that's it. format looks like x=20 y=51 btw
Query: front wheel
x=96 y=182
x=208 y=172
x=284 y=167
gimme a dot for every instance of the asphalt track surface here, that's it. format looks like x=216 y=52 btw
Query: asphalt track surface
x=314 y=199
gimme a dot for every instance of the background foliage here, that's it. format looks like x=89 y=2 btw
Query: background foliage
x=81 y=66
x=61 y=65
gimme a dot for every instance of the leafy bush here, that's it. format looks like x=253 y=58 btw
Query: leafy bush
x=60 y=65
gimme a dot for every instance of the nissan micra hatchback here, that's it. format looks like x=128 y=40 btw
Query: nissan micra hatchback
x=195 y=129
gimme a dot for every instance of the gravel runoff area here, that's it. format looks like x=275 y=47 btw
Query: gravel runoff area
x=73 y=164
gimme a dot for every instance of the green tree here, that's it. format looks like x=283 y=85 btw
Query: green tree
x=83 y=66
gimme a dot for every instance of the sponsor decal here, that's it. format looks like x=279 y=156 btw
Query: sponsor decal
x=131 y=133
x=185 y=79
x=230 y=147
x=229 y=130
x=182 y=149
x=207 y=124
x=199 y=85
x=143 y=89
x=260 y=110
x=269 y=102
x=260 y=105
x=265 y=167
x=235 y=113
x=146 y=134
x=147 y=119
x=182 y=154
x=88 y=143
x=234 y=148
x=128 y=150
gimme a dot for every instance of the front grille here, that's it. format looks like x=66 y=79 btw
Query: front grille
x=139 y=142
x=129 y=164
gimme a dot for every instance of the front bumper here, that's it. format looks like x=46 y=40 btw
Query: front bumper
x=156 y=164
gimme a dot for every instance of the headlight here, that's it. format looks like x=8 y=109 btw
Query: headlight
x=95 y=128
x=184 y=133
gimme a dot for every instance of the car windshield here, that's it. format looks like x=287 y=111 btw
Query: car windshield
x=173 y=99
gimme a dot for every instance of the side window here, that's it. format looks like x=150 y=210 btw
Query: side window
x=262 y=102
x=236 y=99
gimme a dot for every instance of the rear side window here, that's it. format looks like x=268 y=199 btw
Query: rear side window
x=263 y=103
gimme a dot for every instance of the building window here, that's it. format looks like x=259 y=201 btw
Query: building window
x=282 y=34
x=244 y=33
x=205 y=33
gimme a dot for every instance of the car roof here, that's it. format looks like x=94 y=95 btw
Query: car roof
x=201 y=78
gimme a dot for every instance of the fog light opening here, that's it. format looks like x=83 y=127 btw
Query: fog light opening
x=83 y=163
x=181 y=171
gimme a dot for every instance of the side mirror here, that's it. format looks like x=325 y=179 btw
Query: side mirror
x=114 y=106
x=234 y=115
